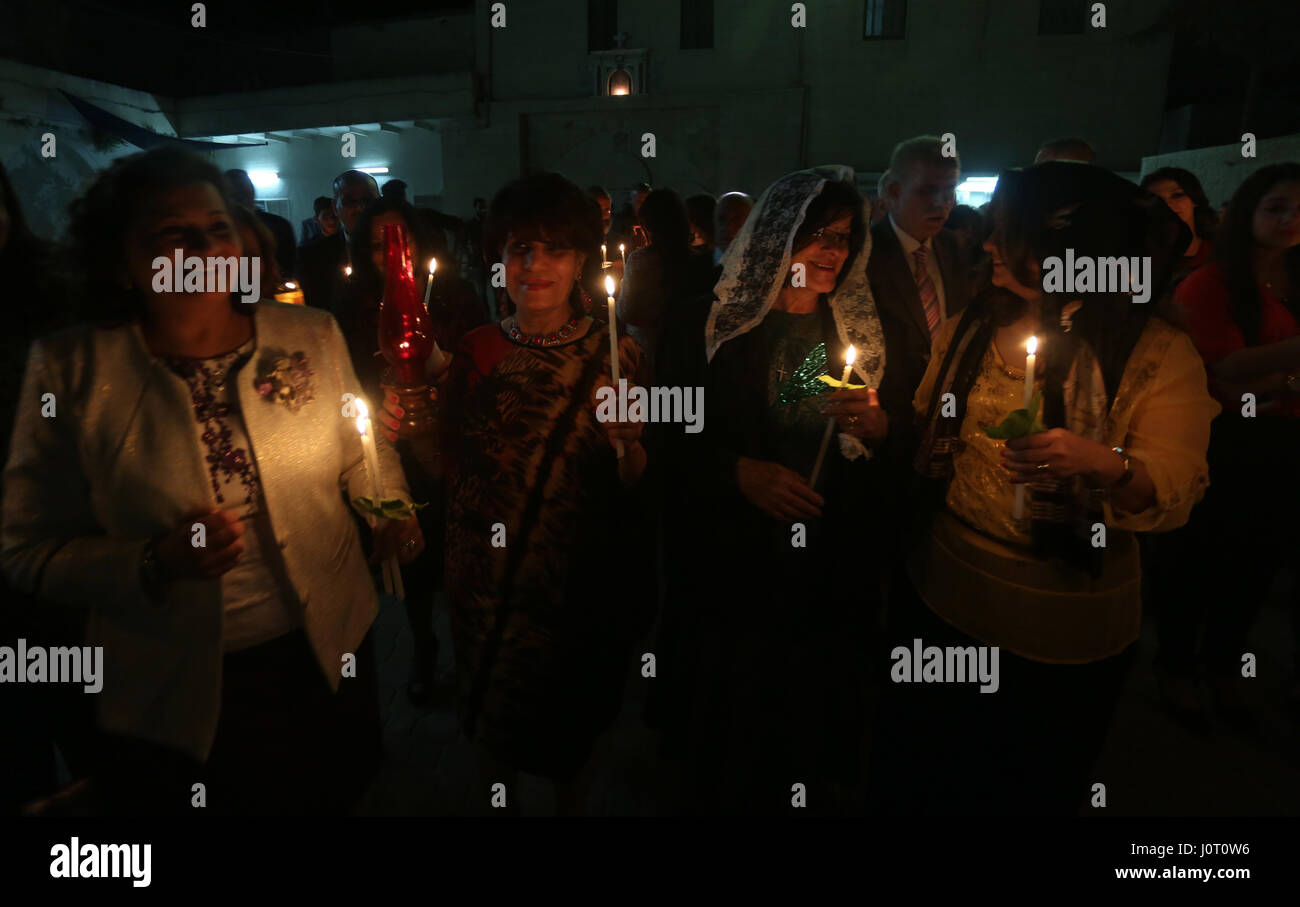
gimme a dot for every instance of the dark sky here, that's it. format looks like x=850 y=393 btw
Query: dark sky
x=151 y=45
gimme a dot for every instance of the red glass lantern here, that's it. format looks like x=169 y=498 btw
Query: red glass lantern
x=405 y=334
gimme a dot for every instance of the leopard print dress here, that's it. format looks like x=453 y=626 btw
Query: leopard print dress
x=546 y=564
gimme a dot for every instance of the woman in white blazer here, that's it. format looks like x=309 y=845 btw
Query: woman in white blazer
x=180 y=418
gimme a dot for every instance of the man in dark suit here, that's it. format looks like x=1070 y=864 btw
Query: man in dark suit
x=286 y=250
x=916 y=270
x=323 y=259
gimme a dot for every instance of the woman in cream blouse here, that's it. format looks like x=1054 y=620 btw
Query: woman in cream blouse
x=1058 y=592
x=242 y=663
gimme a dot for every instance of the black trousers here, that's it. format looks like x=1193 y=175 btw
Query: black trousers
x=1207 y=581
x=948 y=749
x=286 y=744
x=37 y=717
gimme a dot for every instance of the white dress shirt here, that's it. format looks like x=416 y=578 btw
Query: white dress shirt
x=910 y=246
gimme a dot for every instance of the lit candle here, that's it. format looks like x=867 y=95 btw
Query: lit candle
x=290 y=294
x=391 y=570
x=849 y=355
x=347 y=271
x=613 y=347
x=622 y=250
x=428 y=285
x=1032 y=346
x=604 y=257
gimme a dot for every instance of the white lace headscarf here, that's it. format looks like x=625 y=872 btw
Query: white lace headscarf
x=757 y=263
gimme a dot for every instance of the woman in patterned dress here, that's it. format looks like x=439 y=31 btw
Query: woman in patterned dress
x=547 y=562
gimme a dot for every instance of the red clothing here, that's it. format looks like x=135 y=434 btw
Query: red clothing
x=1204 y=298
x=1192 y=262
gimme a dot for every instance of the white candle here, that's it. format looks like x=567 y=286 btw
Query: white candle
x=613 y=347
x=428 y=284
x=604 y=258
x=392 y=574
x=622 y=250
x=1032 y=346
x=849 y=356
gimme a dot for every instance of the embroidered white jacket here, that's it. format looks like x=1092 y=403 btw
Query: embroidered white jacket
x=119 y=462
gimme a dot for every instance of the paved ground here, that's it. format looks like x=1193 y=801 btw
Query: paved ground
x=1151 y=764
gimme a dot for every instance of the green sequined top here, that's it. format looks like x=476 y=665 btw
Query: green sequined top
x=794 y=393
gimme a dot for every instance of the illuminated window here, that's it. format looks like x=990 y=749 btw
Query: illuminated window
x=884 y=19
x=620 y=82
x=976 y=190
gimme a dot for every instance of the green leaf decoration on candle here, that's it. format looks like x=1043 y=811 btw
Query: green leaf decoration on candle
x=809 y=378
x=389 y=509
x=1019 y=422
x=838 y=385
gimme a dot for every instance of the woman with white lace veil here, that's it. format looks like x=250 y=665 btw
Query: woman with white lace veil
x=774 y=648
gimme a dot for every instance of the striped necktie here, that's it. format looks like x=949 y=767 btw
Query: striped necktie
x=925 y=287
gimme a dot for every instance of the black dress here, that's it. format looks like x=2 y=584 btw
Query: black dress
x=768 y=676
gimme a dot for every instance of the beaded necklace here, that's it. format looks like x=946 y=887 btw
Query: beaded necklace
x=566 y=332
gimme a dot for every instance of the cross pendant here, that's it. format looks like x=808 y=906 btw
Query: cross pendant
x=780 y=374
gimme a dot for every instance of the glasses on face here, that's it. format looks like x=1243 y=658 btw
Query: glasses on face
x=831 y=239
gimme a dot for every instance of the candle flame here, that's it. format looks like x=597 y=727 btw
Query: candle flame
x=347 y=271
x=363 y=411
x=609 y=285
x=621 y=247
x=290 y=285
x=363 y=425
x=1032 y=345
x=433 y=266
x=602 y=249
x=851 y=355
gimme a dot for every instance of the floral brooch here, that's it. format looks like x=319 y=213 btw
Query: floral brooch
x=288 y=380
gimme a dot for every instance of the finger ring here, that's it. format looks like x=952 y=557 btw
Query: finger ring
x=852 y=421
x=408 y=544
x=1043 y=466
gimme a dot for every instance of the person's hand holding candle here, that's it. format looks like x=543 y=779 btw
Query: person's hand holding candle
x=1061 y=453
x=401 y=539
x=626 y=436
x=858 y=413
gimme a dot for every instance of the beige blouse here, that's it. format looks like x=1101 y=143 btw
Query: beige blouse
x=976 y=570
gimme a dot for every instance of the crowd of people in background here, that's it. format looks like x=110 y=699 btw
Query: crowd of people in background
x=772 y=653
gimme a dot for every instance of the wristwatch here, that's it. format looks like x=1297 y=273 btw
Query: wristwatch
x=1128 y=469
